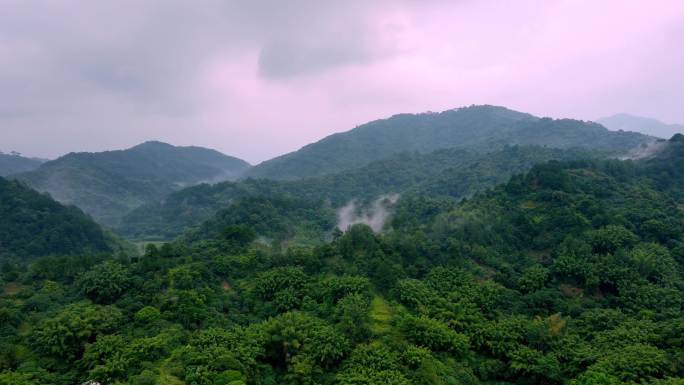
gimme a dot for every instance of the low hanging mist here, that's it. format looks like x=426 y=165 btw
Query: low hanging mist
x=645 y=150
x=374 y=214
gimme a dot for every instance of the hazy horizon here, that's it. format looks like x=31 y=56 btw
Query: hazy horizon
x=259 y=79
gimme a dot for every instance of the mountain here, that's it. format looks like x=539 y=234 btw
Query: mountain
x=453 y=173
x=33 y=225
x=109 y=184
x=479 y=128
x=649 y=126
x=14 y=163
x=309 y=209
x=571 y=273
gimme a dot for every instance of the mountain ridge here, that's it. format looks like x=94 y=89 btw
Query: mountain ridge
x=475 y=127
x=14 y=163
x=651 y=126
x=108 y=184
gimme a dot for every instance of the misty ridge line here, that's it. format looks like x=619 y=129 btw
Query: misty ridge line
x=374 y=215
x=627 y=123
x=112 y=184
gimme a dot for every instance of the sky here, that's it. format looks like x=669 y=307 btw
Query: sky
x=259 y=78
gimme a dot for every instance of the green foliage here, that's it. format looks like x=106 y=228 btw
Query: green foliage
x=274 y=217
x=65 y=334
x=352 y=315
x=337 y=288
x=185 y=276
x=372 y=365
x=608 y=239
x=533 y=278
x=269 y=283
x=34 y=225
x=433 y=334
x=105 y=282
x=12 y=378
x=300 y=341
x=148 y=315
x=633 y=362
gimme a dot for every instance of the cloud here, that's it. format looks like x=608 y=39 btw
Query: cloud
x=279 y=59
x=374 y=215
x=258 y=78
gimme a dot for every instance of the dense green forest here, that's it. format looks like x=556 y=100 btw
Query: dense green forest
x=109 y=184
x=34 y=225
x=477 y=128
x=450 y=173
x=14 y=163
x=570 y=273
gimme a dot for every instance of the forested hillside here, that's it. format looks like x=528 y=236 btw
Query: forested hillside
x=667 y=167
x=34 y=225
x=454 y=173
x=109 y=184
x=13 y=163
x=478 y=128
x=570 y=273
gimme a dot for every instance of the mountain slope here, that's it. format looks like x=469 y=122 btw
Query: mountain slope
x=439 y=179
x=478 y=128
x=649 y=126
x=108 y=184
x=666 y=167
x=569 y=274
x=450 y=172
x=13 y=164
x=33 y=225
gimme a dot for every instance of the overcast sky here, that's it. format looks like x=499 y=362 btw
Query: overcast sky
x=256 y=79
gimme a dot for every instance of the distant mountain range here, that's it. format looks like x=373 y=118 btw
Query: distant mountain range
x=109 y=184
x=14 y=163
x=478 y=128
x=650 y=126
x=388 y=154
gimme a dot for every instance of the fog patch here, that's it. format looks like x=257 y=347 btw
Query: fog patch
x=374 y=214
x=646 y=150
x=224 y=176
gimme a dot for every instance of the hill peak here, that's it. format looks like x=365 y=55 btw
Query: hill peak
x=108 y=184
x=478 y=127
x=152 y=144
x=645 y=125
